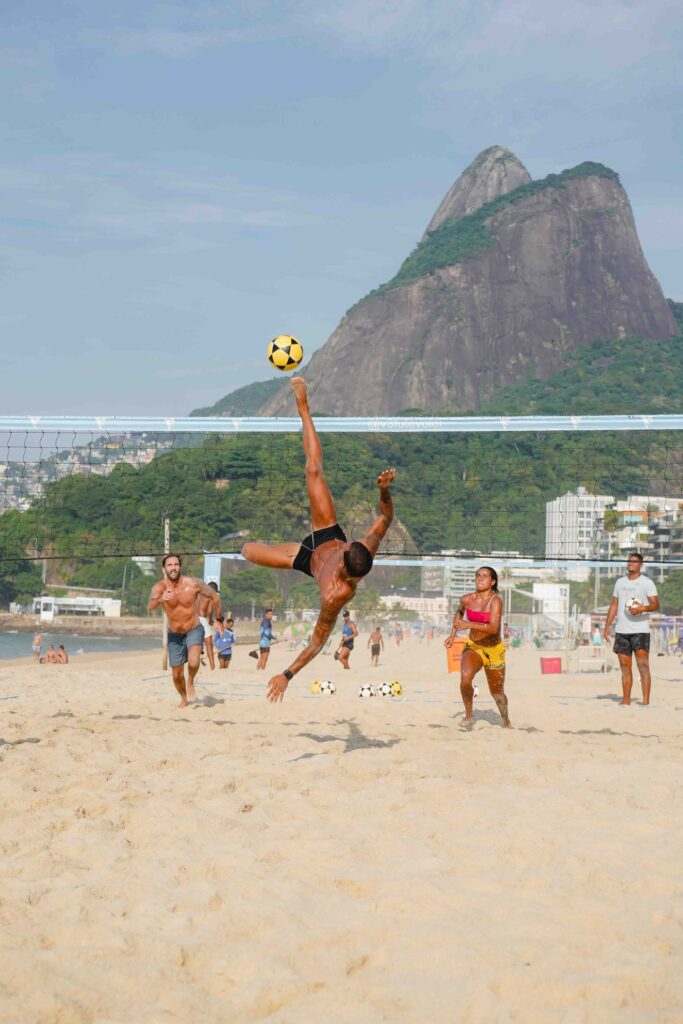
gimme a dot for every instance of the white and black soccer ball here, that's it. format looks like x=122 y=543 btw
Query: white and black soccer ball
x=328 y=688
x=631 y=604
x=366 y=690
x=385 y=690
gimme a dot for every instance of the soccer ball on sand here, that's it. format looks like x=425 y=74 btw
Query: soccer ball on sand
x=285 y=353
x=396 y=688
x=366 y=690
x=327 y=688
x=385 y=690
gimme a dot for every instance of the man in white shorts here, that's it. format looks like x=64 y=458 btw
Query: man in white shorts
x=206 y=620
x=635 y=596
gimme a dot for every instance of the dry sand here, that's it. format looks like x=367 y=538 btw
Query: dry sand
x=334 y=859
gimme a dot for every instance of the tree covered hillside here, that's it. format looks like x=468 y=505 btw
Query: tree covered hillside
x=485 y=491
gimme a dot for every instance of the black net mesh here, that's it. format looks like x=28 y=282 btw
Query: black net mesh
x=78 y=501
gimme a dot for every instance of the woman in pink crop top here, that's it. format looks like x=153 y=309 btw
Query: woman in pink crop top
x=480 y=612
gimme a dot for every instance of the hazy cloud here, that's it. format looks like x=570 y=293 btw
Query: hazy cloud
x=95 y=196
x=177 y=43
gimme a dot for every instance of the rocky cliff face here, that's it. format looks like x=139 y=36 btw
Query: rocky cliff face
x=510 y=276
x=493 y=173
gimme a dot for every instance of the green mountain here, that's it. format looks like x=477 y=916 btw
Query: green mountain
x=511 y=277
x=597 y=379
x=677 y=310
x=245 y=401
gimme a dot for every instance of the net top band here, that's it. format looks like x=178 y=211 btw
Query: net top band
x=337 y=424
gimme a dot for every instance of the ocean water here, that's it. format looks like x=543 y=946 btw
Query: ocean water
x=18 y=645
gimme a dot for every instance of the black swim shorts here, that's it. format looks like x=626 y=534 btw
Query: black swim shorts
x=374 y=650
x=302 y=562
x=348 y=643
x=629 y=643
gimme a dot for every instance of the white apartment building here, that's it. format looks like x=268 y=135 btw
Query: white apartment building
x=430 y=609
x=642 y=522
x=454 y=578
x=573 y=523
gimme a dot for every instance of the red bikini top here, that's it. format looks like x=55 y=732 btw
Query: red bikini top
x=474 y=616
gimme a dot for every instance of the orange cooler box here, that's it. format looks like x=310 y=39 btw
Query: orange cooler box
x=551 y=666
x=454 y=654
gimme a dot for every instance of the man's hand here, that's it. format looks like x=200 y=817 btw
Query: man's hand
x=276 y=688
x=606 y=633
x=637 y=608
x=385 y=478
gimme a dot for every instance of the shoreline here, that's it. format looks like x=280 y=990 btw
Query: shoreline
x=82 y=624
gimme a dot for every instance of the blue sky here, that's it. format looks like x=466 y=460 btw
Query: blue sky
x=180 y=183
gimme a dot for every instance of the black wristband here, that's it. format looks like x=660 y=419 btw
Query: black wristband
x=288 y=675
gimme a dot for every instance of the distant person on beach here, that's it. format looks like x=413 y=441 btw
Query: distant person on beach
x=398 y=634
x=62 y=656
x=205 y=610
x=635 y=596
x=178 y=595
x=50 y=656
x=266 y=638
x=349 y=634
x=36 y=645
x=376 y=644
x=223 y=639
x=337 y=565
x=480 y=612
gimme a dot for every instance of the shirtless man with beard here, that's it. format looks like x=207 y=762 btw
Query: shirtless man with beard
x=178 y=594
x=337 y=565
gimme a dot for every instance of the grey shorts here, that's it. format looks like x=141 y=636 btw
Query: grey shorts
x=178 y=644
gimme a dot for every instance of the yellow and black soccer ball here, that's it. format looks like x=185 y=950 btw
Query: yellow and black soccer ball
x=285 y=352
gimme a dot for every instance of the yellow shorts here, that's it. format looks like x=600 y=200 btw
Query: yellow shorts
x=493 y=657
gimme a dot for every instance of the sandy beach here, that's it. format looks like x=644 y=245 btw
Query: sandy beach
x=335 y=859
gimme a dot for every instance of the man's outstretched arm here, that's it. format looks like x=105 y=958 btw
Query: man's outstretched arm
x=373 y=538
x=323 y=627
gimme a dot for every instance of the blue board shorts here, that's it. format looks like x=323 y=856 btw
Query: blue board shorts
x=178 y=644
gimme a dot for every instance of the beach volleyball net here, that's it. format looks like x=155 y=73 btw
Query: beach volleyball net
x=79 y=496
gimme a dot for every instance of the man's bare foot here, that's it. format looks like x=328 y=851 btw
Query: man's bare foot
x=191 y=693
x=506 y=723
x=300 y=390
x=623 y=703
x=644 y=703
x=183 y=702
